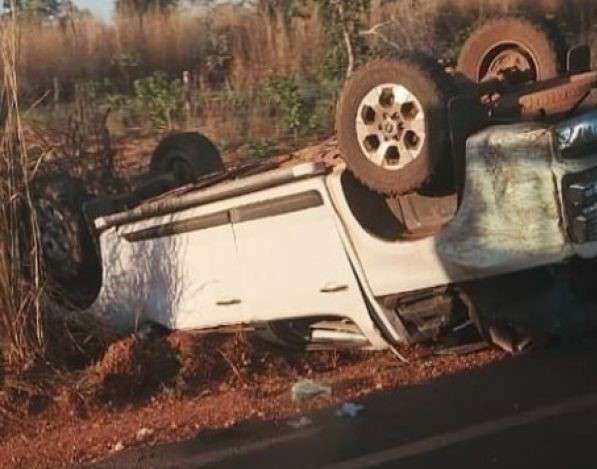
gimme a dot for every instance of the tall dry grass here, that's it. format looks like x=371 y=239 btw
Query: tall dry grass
x=229 y=44
x=232 y=51
x=68 y=51
x=21 y=283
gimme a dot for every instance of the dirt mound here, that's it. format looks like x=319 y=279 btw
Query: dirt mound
x=131 y=369
x=134 y=369
x=174 y=387
x=214 y=359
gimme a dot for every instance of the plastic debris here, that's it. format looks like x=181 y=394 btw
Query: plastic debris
x=118 y=447
x=309 y=389
x=350 y=410
x=144 y=433
x=300 y=423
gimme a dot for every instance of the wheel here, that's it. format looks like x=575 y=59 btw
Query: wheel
x=188 y=155
x=513 y=49
x=392 y=123
x=69 y=253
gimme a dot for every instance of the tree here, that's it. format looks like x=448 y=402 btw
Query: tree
x=141 y=7
x=282 y=10
x=37 y=8
x=343 y=20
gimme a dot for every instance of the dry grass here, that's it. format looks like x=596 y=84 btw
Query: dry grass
x=233 y=50
x=229 y=40
x=241 y=47
x=33 y=329
x=21 y=294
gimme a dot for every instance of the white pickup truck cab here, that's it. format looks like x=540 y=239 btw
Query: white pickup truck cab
x=315 y=257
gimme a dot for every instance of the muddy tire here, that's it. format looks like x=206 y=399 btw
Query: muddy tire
x=188 y=155
x=70 y=256
x=514 y=49
x=392 y=123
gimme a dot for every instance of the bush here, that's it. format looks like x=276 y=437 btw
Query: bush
x=161 y=98
x=259 y=149
x=295 y=104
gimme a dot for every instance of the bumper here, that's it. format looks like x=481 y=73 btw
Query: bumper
x=580 y=205
x=530 y=199
x=575 y=150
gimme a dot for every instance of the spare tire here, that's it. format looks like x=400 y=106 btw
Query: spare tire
x=392 y=123
x=513 y=49
x=70 y=256
x=188 y=155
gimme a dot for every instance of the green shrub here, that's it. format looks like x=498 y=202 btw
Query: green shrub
x=160 y=98
x=259 y=149
x=295 y=104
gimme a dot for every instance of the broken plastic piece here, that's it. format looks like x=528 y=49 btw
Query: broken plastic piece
x=309 y=389
x=144 y=433
x=350 y=410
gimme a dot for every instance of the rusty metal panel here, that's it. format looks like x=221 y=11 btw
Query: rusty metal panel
x=558 y=98
x=510 y=215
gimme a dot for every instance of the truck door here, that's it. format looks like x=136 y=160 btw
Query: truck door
x=190 y=264
x=293 y=259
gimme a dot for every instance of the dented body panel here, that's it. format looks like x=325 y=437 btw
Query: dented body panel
x=510 y=217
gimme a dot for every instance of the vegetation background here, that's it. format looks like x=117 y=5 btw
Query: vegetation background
x=253 y=75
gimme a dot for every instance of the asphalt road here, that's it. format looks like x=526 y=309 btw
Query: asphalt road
x=539 y=410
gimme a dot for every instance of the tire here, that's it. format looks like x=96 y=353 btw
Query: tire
x=529 y=46
x=188 y=155
x=70 y=257
x=424 y=108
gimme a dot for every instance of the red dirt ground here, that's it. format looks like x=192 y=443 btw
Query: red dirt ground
x=148 y=393
x=175 y=388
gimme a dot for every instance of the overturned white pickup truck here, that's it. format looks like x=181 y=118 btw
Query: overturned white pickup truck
x=440 y=209
x=310 y=252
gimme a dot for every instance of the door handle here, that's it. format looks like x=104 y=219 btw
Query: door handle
x=228 y=302
x=334 y=288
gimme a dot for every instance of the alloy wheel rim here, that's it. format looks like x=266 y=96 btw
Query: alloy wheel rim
x=390 y=126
